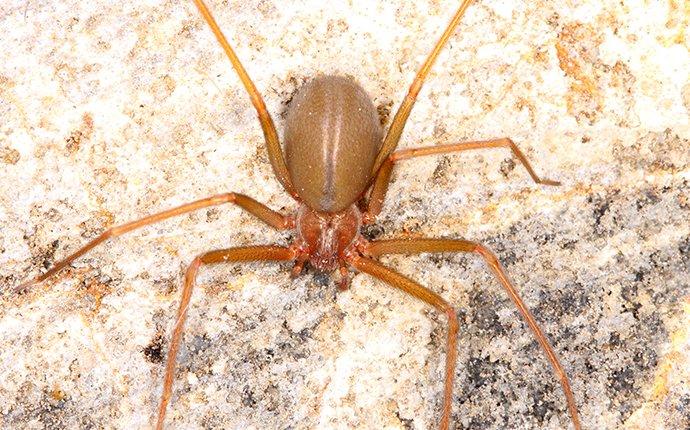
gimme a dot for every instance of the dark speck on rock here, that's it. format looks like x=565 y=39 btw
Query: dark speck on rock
x=322 y=279
x=406 y=422
x=483 y=312
x=153 y=352
x=480 y=423
x=507 y=166
x=540 y=405
x=622 y=380
x=601 y=206
x=684 y=249
x=479 y=371
x=372 y=231
x=248 y=397
x=49 y=254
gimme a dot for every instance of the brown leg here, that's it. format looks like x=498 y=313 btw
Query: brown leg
x=257 y=209
x=393 y=136
x=416 y=246
x=275 y=154
x=401 y=282
x=380 y=186
x=247 y=253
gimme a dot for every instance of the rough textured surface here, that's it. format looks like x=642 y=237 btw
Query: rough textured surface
x=111 y=111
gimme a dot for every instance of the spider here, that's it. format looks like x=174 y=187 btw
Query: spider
x=337 y=163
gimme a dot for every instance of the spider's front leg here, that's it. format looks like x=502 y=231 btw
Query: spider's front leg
x=231 y=255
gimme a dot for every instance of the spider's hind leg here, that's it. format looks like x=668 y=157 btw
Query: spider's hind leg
x=417 y=246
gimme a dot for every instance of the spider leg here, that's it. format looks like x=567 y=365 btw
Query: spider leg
x=397 y=280
x=390 y=142
x=259 y=210
x=275 y=154
x=417 y=246
x=382 y=179
x=240 y=254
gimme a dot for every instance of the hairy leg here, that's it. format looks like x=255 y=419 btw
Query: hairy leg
x=395 y=279
x=246 y=253
x=380 y=186
x=416 y=246
x=265 y=214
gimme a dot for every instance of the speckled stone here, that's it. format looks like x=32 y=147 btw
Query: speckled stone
x=115 y=110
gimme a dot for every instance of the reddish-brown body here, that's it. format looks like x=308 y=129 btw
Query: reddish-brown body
x=325 y=238
x=332 y=137
x=335 y=156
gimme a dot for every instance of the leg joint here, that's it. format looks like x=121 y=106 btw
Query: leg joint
x=110 y=233
x=196 y=263
x=452 y=318
x=225 y=198
x=486 y=253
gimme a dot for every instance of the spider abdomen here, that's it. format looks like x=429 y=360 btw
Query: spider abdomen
x=332 y=137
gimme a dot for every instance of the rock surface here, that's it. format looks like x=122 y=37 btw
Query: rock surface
x=114 y=110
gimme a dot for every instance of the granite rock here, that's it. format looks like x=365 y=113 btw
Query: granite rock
x=115 y=110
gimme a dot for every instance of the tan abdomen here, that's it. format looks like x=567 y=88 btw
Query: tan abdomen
x=332 y=136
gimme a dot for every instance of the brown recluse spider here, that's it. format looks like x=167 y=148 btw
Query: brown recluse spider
x=335 y=158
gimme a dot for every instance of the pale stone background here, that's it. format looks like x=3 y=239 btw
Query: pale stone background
x=114 y=110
